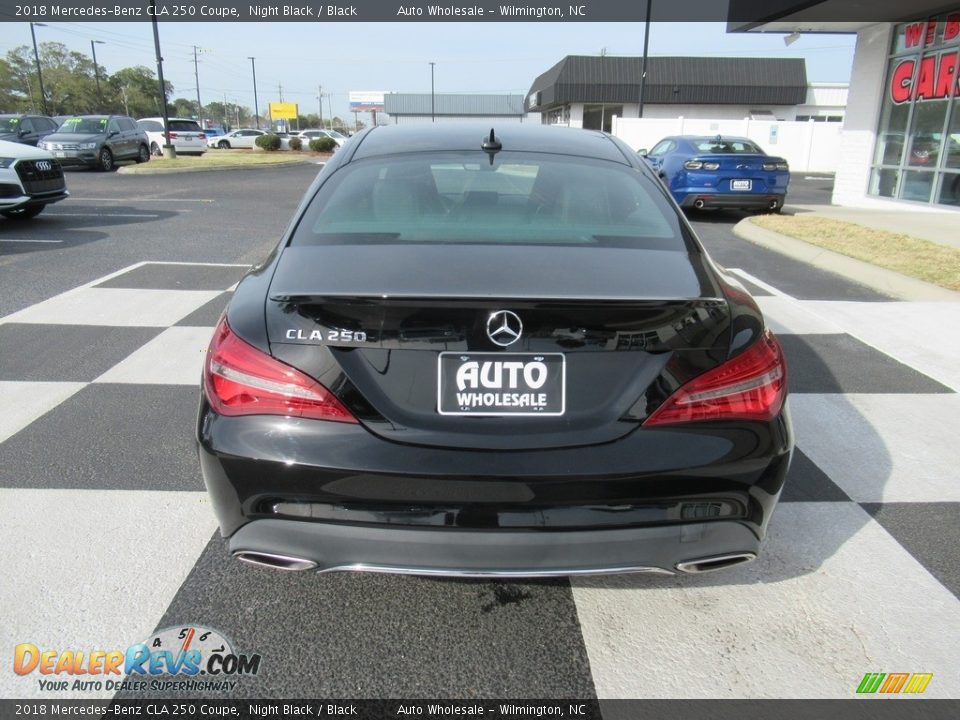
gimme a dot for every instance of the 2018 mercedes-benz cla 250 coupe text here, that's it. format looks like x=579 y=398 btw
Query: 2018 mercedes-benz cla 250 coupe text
x=488 y=353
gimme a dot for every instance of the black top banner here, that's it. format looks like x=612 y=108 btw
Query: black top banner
x=742 y=14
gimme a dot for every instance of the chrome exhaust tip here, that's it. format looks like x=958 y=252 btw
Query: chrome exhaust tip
x=715 y=562
x=274 y=562
x=774 y=204
x=698 y=204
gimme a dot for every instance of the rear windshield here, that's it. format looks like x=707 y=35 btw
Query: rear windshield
x=84 y=126
x=714 y=145
x=521 y=198
x=184 y=125
x=150 y=125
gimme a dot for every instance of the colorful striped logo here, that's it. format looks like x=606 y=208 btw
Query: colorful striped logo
x=892 y=683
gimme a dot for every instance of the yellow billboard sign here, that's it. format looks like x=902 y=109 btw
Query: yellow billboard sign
x=283 y=111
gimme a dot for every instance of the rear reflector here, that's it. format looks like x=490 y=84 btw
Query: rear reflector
x=750 y=386
x=239 y=379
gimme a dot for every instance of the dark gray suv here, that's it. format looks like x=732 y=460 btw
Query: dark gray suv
x=97 y=141
x=26 y=129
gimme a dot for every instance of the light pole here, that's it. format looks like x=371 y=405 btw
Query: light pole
x=96 y=69
x=169 y=151
x=320 y=103
x=433 y=116
x=256 y=104
x=36 y=56
x=643 y=62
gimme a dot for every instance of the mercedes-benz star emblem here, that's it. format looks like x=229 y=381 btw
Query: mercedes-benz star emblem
x=504 y=328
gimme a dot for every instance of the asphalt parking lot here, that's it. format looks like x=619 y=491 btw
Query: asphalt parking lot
x=107 y=301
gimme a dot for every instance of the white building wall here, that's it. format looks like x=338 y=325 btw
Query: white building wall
x=864 y=103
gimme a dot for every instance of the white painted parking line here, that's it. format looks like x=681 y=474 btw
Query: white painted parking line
x=119 y=307
x=24 y=402
x=758 y=282
x=174 y=357
x=14 y=240
x=831 y=597
x=143 y=199
x=882 y=448
x=103 y=215
x=93 y=569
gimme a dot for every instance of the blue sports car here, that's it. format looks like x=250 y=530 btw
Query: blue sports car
x=720 y=172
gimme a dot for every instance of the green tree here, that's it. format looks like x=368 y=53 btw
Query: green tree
x=185 y=108
x=136 y=91
x=68 y=80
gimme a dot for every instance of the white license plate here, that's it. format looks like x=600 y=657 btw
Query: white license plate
x=741 y=184
x=498 y=384
x=60 y=153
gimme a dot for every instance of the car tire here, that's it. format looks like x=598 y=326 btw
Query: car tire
x=223 y=145
x=24 y=213
x=144 y=154
x=155 y=150
x=105 y=160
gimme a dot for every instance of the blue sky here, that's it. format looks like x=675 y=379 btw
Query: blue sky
x=470 y=57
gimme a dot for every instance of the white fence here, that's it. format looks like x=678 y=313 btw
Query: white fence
x=808 y=146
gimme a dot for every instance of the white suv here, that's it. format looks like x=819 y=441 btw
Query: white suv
x=30 y=179
x=186 y=135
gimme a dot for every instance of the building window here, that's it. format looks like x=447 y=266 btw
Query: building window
x=918 y=138
x=600 y=117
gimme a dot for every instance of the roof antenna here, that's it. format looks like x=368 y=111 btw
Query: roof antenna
x=491 y=145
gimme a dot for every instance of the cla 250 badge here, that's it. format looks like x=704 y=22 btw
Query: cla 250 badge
x=332 y=335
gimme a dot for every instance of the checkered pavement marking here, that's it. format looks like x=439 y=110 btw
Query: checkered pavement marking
x=859 y=570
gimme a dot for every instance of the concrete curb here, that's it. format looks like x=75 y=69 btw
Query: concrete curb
x=880 y=279
x=141 y=170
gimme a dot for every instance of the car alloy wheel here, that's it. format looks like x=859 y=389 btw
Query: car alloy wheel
x=106 y=160
x=155 y=149
x=223 y=145
x=144 y=155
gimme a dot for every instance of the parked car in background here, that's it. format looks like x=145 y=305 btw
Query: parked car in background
x=98 y=141
x=214 y=132
x=314 y=134
x=30 y=179
x=26 y=129
x=186 y=135
x=240 y=138
x=492 y=355
x=720 y=172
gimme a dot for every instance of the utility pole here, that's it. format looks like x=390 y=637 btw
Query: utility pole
x=643 y=62
x=320 y=102
x=330 y=112
x=433 y=116
x=36 y=56
x=96 y=70
x=256 y=104
x=168 y=150
x=196 y=76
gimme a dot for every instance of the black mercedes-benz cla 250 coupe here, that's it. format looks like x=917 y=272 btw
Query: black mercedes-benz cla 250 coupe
x=492 y=352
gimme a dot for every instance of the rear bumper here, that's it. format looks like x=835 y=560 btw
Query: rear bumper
x=328 y=547
x=745 y=201
x=336 y=496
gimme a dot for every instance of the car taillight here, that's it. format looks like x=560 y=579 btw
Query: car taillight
x=201 y=136
x=693 y=164
x=172 y=136
x=750 y=386
x=711 y=165
x=239 y=379
x=770 y=167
